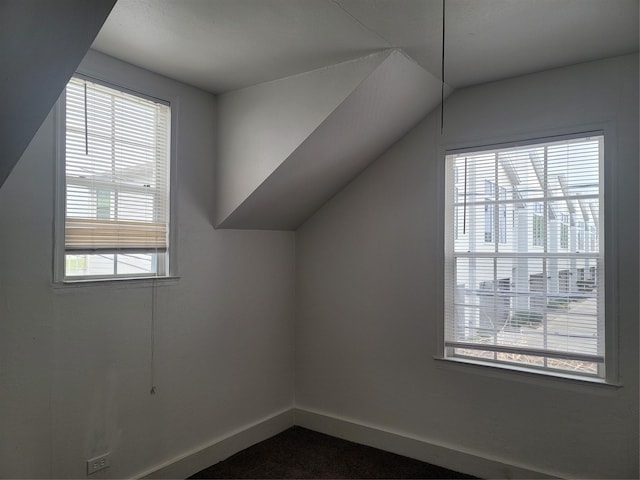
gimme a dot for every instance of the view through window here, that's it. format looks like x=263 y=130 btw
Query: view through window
x=116 y=164
x=524 y=257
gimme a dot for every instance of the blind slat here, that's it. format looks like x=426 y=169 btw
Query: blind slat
x=90 y=233
x=524 y=270
x=117 y=171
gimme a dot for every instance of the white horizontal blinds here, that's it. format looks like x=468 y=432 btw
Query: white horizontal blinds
x=117 y=167
x=524 y=259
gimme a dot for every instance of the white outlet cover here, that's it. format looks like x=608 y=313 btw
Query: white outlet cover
x=98 y=463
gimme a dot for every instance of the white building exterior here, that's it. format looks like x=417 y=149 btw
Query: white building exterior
x=525 y=245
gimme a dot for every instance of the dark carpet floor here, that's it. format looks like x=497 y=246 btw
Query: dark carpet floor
x=301 y=453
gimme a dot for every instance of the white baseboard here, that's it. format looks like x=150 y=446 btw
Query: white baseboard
x=201 y=458
x=441 y=455
x=437 y=454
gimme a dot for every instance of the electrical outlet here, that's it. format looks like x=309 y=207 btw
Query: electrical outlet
x=98 y=463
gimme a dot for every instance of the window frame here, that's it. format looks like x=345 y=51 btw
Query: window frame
x=608 y=225
x=170 y=272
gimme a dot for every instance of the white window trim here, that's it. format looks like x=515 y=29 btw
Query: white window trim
x=59 y=280
x=609 y=244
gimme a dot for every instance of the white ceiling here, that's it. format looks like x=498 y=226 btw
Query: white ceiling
x=222 y=45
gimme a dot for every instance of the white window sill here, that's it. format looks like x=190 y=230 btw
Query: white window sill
x=528 y=375
x=123 y=282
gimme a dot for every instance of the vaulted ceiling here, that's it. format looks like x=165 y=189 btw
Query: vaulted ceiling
x=222 y=45
x=329 y=65
x=302 y=82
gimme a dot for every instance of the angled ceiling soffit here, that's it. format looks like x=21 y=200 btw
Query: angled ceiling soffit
x=366 y=111
x=41 y=45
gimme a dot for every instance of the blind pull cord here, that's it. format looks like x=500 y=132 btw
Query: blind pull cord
x=442 y=87
x=464 y=208
x=86 y=123
x=152 y=367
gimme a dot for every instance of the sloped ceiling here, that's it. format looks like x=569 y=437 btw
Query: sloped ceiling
x=282 y=153
x=223 y=45
x=41 y=44
x=489 y=40
x=261 y=126
x=381 y=108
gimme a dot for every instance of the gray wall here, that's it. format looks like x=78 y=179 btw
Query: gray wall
x=261 y=125
x=75 y=362
x=41 y=44
x=370 y=289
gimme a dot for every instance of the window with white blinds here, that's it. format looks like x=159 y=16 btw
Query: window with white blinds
x=116 y=173
x=524 y=268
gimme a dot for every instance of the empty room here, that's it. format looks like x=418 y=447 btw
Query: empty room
x=408 y=224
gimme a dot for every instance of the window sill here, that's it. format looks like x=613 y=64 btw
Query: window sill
x=529 y=375
x=130 y=282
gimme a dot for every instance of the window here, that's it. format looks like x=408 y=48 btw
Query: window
x=115 y=168
x=580 y=235
x=489 y=212
x=489 y=191
x=538 y=225
x=455 y=216
x=503 y=215
x=564 y=231
x=534 y=299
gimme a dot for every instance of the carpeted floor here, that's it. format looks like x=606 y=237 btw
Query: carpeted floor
x=301 y=453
